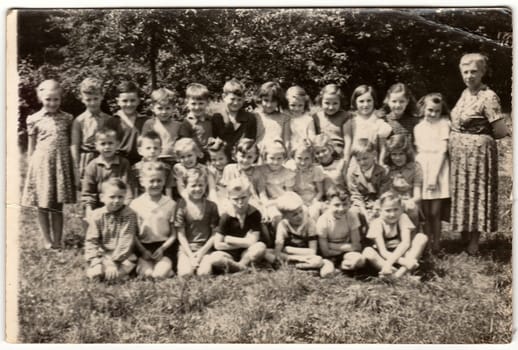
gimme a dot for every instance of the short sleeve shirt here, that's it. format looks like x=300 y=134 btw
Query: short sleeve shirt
x=154 y=218
x=337 y=231
x=306 y=180
x=84 y=128
x=297 y=237
x=197 y=230
x=276 y=182
x=229 y=225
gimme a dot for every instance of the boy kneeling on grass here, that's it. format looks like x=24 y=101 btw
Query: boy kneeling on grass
x=338 y=232
x=395 y=252
x=296 y=237
x=110 y=235
x=236 y=239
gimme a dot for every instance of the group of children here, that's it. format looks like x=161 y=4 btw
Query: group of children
x=331 y=189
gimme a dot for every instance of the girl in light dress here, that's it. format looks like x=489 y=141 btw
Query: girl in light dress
x=431 y=140
x=331 y=119
x=301 y=123
x=272 y=123
x=365 y=123
x=50 y=176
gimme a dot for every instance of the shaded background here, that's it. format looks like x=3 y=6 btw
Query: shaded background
x=309 y=47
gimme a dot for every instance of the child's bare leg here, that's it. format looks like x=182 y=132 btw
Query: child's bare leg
x=269 y=255
x=184 y=266
x=436 y=224
x=144 y=267
x=309 y=262
x=126 y=267
x=163 y=268
x=56 y=218
x=224 y=261
x=373 y=257
x=44 y=224
x=327 y=269
x=205 y=267
x=352 y=261
x=254 y=253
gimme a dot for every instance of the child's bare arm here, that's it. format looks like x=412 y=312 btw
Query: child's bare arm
x=146 y=254
x=279 y=239
x=75 y=142
x=184 y=244
x=172 y=237
x=383 y=150
x=243 y=242
x=31 y=145
x=206 y=247
x=298 y=251
x=219 y=243
x=347 y=142
x=326 y=249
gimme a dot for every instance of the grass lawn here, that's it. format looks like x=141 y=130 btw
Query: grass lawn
x=460 y=299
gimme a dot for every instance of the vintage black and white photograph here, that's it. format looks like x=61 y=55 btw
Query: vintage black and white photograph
x=260 y=175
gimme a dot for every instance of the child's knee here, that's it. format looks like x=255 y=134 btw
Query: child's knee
x=205 y=267
x=369 y=253
x=420 y=239
x=163 y=268
x=217 y=258
x=327 y=269
x=352 y=260
x=256 y=251
x=184 y=268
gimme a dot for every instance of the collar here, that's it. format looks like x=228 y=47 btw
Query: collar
x=120 y=114
x=388 y=228
x=408 y=165
x=44 y=113
x=368 y=174
x=240 y=116
x=232 y=212
x=161 y=201
x=482 y=87
x=104 y=210
x=194 y=120
x=301 y=226
x=87 y=113
x=102 y=161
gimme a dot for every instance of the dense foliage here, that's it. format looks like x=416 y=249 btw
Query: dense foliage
x=310 y=47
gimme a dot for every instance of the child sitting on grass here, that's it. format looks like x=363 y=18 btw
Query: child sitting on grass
x=395 y=252
x=110 y=235
x=296 y=238
x=155 y=211
x=237 y=236
x=339 y=234
x=196 y=218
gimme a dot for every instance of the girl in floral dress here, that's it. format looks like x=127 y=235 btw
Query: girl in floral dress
x=50 y=176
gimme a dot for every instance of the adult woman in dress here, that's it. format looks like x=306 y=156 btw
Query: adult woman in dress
x=476 y=122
